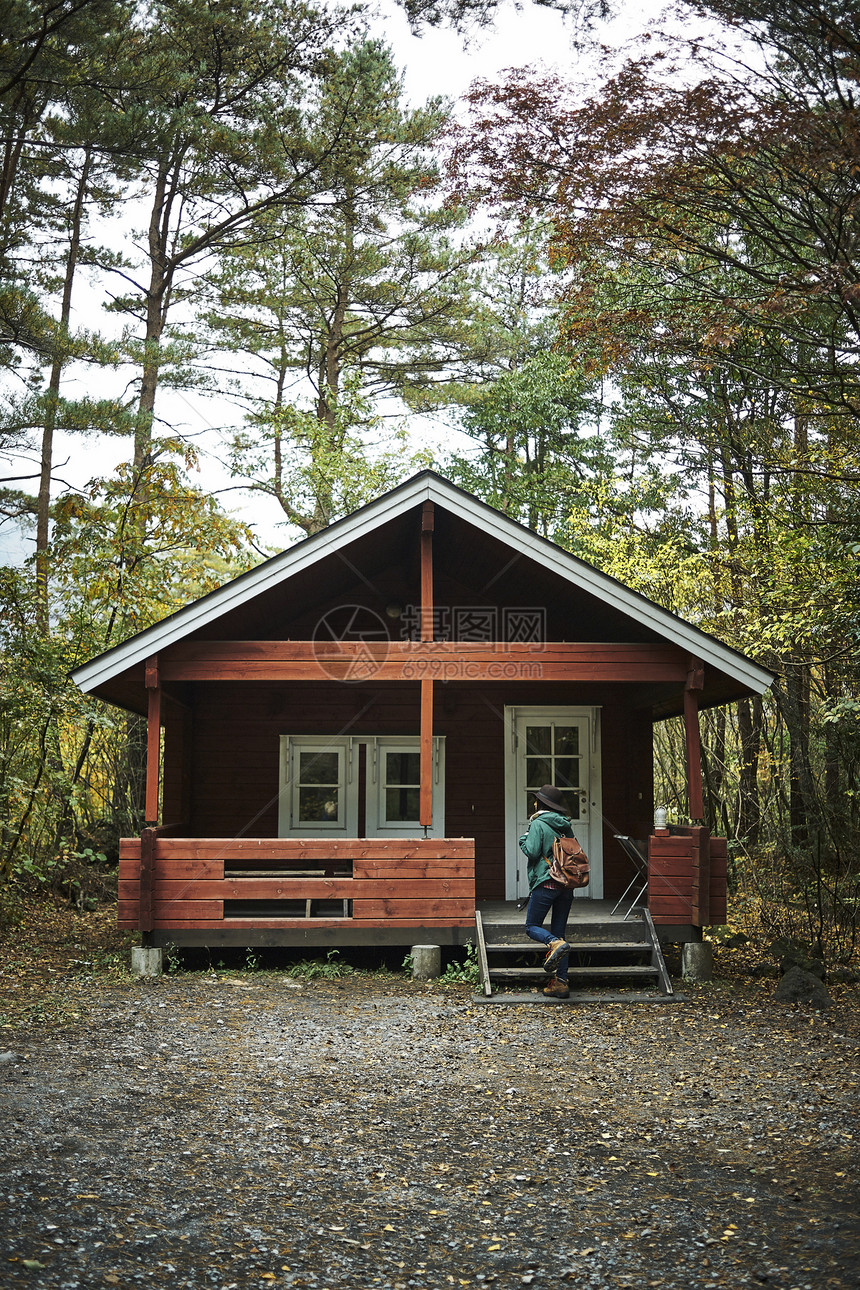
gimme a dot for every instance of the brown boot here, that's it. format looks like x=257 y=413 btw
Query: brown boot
x=556 y=989
x=556 y=951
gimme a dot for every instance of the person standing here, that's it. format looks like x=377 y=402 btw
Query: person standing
x=549 y=821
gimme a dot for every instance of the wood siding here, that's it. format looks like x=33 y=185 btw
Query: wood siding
x=687 y=878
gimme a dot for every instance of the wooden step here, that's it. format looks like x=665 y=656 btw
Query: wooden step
x=611 y=969
x=499 y=934
x=576 y=947
x=592 y=940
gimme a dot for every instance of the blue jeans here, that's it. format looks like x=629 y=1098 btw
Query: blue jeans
x=541 y=901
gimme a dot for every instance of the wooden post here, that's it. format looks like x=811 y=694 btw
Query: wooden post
x=425 y=805
x=147 y=879
x=153 y=740
x=427 y=518
x=425 y=817
x=695 y=684
x=701 y=877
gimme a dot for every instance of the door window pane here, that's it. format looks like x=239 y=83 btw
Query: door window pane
x=566 y=772
x=571 y=801
x=538 y=772
x=566 y=741
x=538 y=740
x=553 y=756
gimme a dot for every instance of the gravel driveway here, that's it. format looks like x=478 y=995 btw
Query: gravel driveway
x=242 y=1130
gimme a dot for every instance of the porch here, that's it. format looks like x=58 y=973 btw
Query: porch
x=319 y=892
x=682 y=884
x=311 y=892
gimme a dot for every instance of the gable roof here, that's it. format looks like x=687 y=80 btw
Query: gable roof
x=425 y=486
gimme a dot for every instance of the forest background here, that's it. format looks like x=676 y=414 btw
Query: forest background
x=631 y=294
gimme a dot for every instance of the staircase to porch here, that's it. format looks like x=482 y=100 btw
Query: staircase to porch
x=605 y=952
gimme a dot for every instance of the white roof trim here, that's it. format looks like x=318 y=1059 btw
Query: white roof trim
x=426 y=486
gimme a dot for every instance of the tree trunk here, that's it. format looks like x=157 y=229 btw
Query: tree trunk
x=23 y=114
x=794 y=701
x=713 y=767
x=43 y=507
x=749 y=802
x=128 y=798
x=833 y=802
x=157 y=304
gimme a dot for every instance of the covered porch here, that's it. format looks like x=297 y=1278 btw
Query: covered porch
x=307 y=891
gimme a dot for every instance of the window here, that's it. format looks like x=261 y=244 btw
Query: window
x=316 y=778
x=323 y=781
x=319 y=788
x=394 y=787
x=553 y=756
x=401 y=785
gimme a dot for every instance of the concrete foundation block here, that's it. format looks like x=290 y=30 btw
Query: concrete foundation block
x=426 y=962
x=147 y=961
x=697 y=961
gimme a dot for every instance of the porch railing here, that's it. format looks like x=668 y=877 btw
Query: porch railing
x=168 y=882
x=687 y=877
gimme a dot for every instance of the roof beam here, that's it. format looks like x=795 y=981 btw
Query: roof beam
x=421 y=660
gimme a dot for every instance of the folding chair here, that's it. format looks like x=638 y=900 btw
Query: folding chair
x=633 y=850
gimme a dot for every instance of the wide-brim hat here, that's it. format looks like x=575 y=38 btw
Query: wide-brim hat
x=549 y=795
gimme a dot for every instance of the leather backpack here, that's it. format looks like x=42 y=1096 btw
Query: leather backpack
x=568 y=865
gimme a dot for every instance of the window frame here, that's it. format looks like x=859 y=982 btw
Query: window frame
x=289 y=825
x=377 y=825
x=376 y=817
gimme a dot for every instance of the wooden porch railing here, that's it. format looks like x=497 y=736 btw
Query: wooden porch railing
x=687 y=877
x=168 y=882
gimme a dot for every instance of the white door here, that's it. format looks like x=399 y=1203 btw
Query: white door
x=559 y=746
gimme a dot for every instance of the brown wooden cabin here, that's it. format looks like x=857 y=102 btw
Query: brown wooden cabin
x=342 y=741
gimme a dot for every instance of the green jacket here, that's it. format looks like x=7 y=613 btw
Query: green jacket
x=536 y=845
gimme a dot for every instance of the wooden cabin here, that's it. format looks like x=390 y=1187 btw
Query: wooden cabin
x=342 y=742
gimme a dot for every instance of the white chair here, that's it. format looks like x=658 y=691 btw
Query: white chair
x=632 y=849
